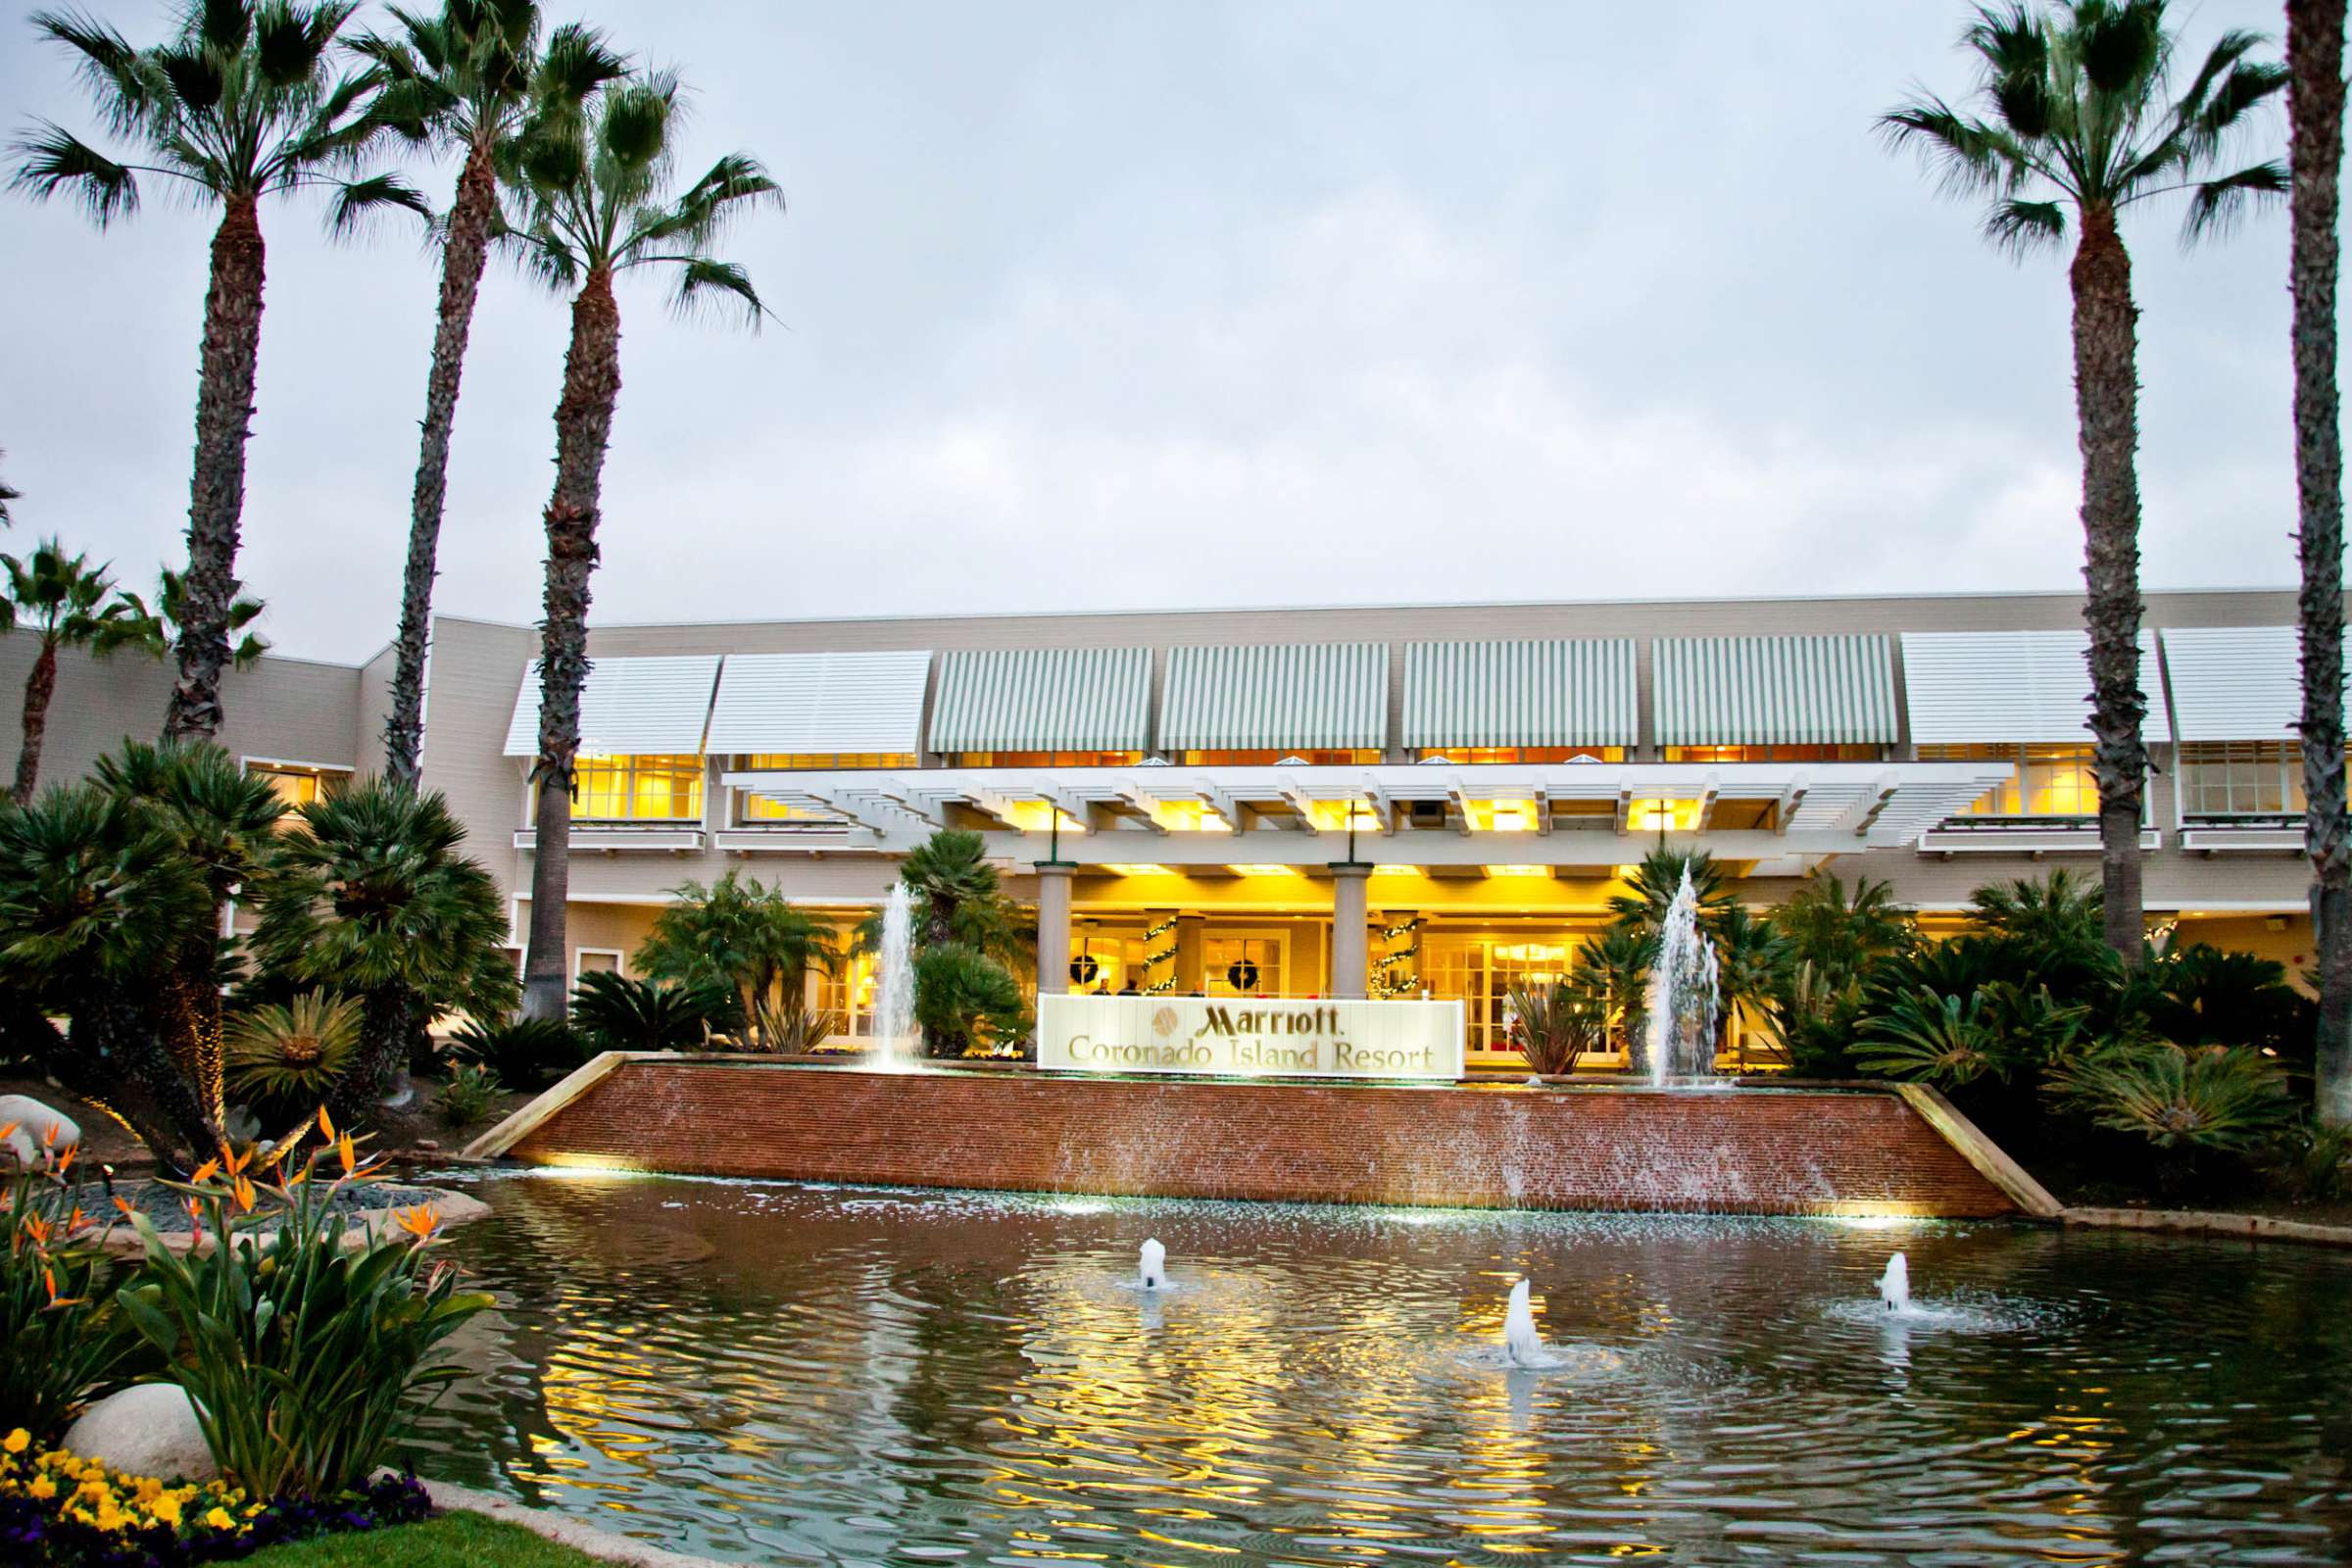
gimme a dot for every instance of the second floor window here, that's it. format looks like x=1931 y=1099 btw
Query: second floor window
x=1266 y=759
x=298 y=786
x=2050 y=781
x=2241 y=778
x=1524 y=754
x=638 y=789
x=1044 y=759
x=1843 y=753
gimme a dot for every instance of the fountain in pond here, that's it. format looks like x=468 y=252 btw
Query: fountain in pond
x=1679 y=1032
x=1522 y=1346
x=1894 y=1286
x=896 y=1044
x=1153 y=1266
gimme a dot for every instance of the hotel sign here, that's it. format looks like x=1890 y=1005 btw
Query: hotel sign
x=1249 y=1037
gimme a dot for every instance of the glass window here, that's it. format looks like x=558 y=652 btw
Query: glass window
x=1264 y=759
x=1104 y=965
x=1044 y=759
x=1243 y=966
x=1524 y=754
x=2050 y=781
x=1480 y=971
x=2241 y=778
x=825 y=762
x=637 y=788
x=298 y=786
x=1775 y=754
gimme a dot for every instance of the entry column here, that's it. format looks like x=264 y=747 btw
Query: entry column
x=1053 y=925
x=1349 y=907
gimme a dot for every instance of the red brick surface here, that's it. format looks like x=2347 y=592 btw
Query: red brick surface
x=1744 y=1150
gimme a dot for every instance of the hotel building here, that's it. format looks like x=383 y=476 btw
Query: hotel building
x=1332 y=801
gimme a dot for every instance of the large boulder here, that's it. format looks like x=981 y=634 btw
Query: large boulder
x=149 y=1430
x=35 y=1124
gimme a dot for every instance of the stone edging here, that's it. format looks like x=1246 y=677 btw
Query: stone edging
x=455 y=1209
x=1991 y=1161
x=520 y=1125
x=2200 y=1222
x=586 y=1539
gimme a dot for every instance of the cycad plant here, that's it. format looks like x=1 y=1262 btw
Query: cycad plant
x=2079 y=124
x=2202 y=1097
x=462 y=80
x=64 y=602
x=238 y=107
x=292 y=1052
x=598 y=203
x=618 y=1013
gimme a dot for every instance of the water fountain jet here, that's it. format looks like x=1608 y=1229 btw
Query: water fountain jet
x=1522 y=1346
x=1153 y=1266
x=896 y=1043
x=1680 y=1031
x=1894 y=1286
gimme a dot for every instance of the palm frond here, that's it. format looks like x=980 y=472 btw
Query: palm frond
x=221 y=25
x=291 y=40
x=107 y=64
x=52 y=160
x=1969 y=156
x=2021 y=227
x=2215 y=206
x=578 y=61
x=359 y=203
x=701 y=283
x=2120 y=47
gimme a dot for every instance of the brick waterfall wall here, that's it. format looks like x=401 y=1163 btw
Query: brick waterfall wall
x=1739 y=1150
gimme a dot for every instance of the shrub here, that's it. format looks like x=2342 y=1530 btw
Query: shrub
x=615 y=1013
x=471 y=1095
x=2313 y=1164
x=966 y=1003
x=295 y=1052
x=2206 y=1097
x=525 y=1053
x=306 y=1357
x=61 y=1340
x=1935 y=1039
x=1556 y=1025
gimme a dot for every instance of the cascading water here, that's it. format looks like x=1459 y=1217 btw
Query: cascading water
x=1679 y=1030
x=896 y=1046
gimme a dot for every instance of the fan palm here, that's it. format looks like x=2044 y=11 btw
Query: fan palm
x=162 y=627
x=597 y=204
x=66 y=602
x=1651 y=886
x=1614 y=968
x=746 y=937
x=238 y=107
x=616 y=1012
x=374 y=899
x=2315 y=108
x=2078 y=119
x=464 y=79
x=6 y=496
x=1844 y=935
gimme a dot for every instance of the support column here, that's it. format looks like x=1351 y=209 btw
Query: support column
x=1192 y=958
x=1349 y=961
x=1054 y=926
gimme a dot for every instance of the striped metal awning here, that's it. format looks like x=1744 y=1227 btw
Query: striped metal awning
x=1263 y=697
x=1560 y=693
x=832 y=703
x=655 y=706
x=1774 y=691
x=1043 y=700
x=2235 y=683
x=1974 y=688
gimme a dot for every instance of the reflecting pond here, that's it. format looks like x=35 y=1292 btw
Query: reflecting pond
x=779 y=1373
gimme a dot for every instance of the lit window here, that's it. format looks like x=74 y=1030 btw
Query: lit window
x=1844 y=753
x=1662 y=816
x=298 y=786
x=2241 y=778
x=825 y=762
x=2050 y=781
x=637 y=788
x=1267 y=757
x=1044 y=759
x=1523 y=754
x=1243 y=966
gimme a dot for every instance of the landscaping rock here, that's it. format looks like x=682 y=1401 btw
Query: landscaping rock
x=34 y=1122
x=146 y=1431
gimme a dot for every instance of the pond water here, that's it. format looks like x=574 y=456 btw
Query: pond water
x=778 y=1374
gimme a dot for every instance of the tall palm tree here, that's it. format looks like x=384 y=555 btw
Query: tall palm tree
x=2315 y=109
x=66 y=602
x=161 y=626
x=599 y=204
x=464 y=79
x=6 y=496
x=238 y=107
x=2080 y=118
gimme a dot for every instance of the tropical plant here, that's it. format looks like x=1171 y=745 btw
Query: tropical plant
x=2204 y=1097
x=463 y=79
x=597 y=204
x=1952 y=1040
x=2194 y=993
x=1844 y=935
x=2057 y=923
x=238 y=107
x=804 y=1030
x=293 y=1051
x=307 y=1359
x=66 y=1342
x=7 y=495
x=615 y=1013
x=374 y=899
x=965 y=1002
x=1558 y=1024
x=2079 y=118
x=1751 y=966
x=470 y=1095
x=1613 y=969
x=1651 y=886
x=160 y=628
x=66 y=602
x=2315 y=112
x=748 y=937
x=527 y=1053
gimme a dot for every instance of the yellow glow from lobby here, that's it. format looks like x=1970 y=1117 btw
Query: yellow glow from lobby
x=1037 y=816
x=1263 y=870
x=1501 y=816
x=1190 y=816
x=1139 y=871
x=1518 y=871
x=1395 y=870
x=1332 y=816
x=1662 y=816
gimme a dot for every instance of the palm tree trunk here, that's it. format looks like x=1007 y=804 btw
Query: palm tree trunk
x=583 y=425
x=39 y=686
x=233 y=343
x=2315 y=58
x=463 y=254
x=2107 y=407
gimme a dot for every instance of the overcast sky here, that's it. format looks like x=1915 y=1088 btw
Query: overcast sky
x=1106 y=305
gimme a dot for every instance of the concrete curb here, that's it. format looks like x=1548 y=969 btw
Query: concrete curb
x=2199 y=1222
x=586 y=1539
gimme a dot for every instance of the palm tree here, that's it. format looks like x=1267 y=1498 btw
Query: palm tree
x=2315 y=109
x=597 y=205
x=66 y=603
x=161 y=626
x=6 y=496
x=375 y=900
x=464 y=79
x=238 y=107
x=2080 y=118
x=745 y=936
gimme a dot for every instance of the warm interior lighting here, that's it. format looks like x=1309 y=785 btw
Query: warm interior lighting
x=1518 y=871
x=1263 y=870
x=1139 y=871
x=1190 y=816
x=1395 y=870
x=1623 y=872
x=1037 y=816
x=1662 y=816
x=1334 y=816
x=1501 y=816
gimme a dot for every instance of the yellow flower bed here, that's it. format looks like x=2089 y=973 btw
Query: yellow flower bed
x=84 y=1491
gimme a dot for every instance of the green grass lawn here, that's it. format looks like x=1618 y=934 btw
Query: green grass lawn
x=453 y=1541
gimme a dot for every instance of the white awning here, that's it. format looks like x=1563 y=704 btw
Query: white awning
x=2235 y=683
x=2012 y=687
x=823 y=705
x=629 y=708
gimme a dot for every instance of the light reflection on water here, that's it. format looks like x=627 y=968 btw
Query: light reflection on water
x=785 y=1374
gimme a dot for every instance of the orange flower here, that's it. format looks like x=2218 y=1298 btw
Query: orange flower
x=205 y=1172
x=65 y=1161
x=195 y=1213
x=244 y=1195
x=38 y=1229
x=237 y=1162
x=124 y=1203
x=421 y=1222
x=348 y=1153
x=327 y=1125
